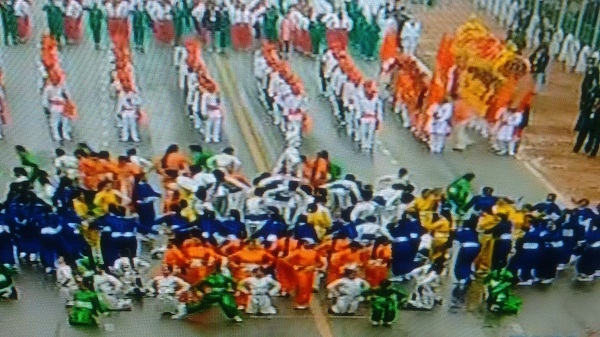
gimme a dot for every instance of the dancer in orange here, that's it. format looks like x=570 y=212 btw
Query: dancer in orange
x=241 y=264
x=378 y=266
x=305 y=261
x=283 y=270
x=353 y=254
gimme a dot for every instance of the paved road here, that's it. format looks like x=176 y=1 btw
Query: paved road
x=562 y=309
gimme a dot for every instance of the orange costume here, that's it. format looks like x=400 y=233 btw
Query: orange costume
x=174 y=257
x=201 y=260
x=320 y=171
x=305 y=262
x=343 y=258
x=244 y=261
x=283 y=270
x=378 y=266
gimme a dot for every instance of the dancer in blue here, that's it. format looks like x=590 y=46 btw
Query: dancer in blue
x=552 y=252
x=469 y=248
x=50 y=239
x=527 y=257
x=143 y=198
x=572 y=233
x=502 y=242
x=6 y=241
x=588 y=265
x=405 y=244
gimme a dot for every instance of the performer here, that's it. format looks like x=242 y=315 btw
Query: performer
x=73 y=22
x=108 y=287
x=96 y=18
x=86 y=308
x=370 y=112
x=211 y=111
x=55 y=14
x=305 y=262
x=23 y=14
x=385 y=301
x=469 y=248
x=140 y=23
x=7 y=287
x=166 y=287
x=458 y=193
x=128 y=108
x=260 y=287
x=55 y=96
x=215 y=288
x=440 y=126
x=9 y=23
x=506 y=126
x=347 y=292
x=500 y=299
x=427 y=280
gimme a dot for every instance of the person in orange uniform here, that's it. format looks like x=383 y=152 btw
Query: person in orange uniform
x=174 y=160
x=174 y=257
x=354 y=254
x=126 y=171
x=305 y=261
x=320 y=169
x=201 y=260
x=242 y=263
x=378 y=266
x=283 y=270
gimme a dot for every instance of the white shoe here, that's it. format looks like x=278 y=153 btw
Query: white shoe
x=525 y=283
x=373 y=323
x=206 y=140
x=136 y=140
x=178 y=315
x=560 y=267
x=548 y=281
x=585 y=278
x=67 y=137
x=238 y=319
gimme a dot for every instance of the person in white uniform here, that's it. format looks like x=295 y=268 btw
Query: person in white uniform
x=108 y=288
x=347 y=292
x=440 y=126
x=509 y=121
x=260 y=287
x=370 y=112
x=128 y=107
x=54 y=99
x=211 y=110
x=167 y=288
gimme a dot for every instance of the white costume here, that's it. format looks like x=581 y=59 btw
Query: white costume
x=66 y=282
x=167 y=288
x=424 y=294
x=410 y=35
x=211 y=110
x=363 y=210
x=349 y=92
x=370 y=112
x=54 y=99
x=128 y=107
x=130 y=277
x=555 y=43
x=260 y=291
x=573 y=52
x=294 y=107
x=341 y=191
x=581 y=66
x=289 y=163
x=347 y=293
x=67 y=166
x=440 y=127
x=108 y=288
x=507 y=125
x=565 y=47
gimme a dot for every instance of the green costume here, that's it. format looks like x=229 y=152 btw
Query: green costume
x=221 y=292
x=56 y=21
x=85 y=267
x=86 y=307
x=27 y=159
x=270 y=22
x=200 y=158
x=317 y=35
x=180 y=17
x=225 y=31
x=7 y=289
x=370 y=39
x=385 y=303
x=335 y=171
x=140 y=22
x=9 y=22
x=96 y=16
x=459 y=194
x=500 y=299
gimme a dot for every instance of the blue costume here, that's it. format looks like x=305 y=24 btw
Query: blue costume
x=552 y=252
x=6 y=241
x=469 y=248
x=178 y=224
x=527 y=257
x=572 y=233
x=305 y=231
x=405 y=243
x=232 y=227
x=270 y=231
x=502 y=244
x=50 y=239
x=72 y=242
x=343 y=229
x=143 y=197
x=589 y=262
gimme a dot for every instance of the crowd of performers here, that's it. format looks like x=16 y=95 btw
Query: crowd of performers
x=226 y=240
x=302 y=26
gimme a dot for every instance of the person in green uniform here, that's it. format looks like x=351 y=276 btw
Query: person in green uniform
x=27 y=160
x=86 y=306
x=385 y=302
x=355 y=14
x=500 y=300
x=370 y=39
x=225 y=31
x=199 y=156
x=7 y=287
x=140 y=23
x=215 y=288
x=96 y=17
x=316 y=29
x=458 y=193
x=180 y=17
x=55 y=16
x=9 y=23
x=270 y=22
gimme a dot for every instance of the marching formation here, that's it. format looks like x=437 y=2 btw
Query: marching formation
x=225 y=240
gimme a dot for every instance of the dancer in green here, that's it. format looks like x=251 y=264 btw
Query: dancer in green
x=140 y=23
x=86 y=306
x=7 y=287
x=271 y=21
x=215 y=288
x=180 y=17
x=316 y=29
x=225 y=32
x=385 y=302
x=500 y=300
x=370 y=39
x=96 y=17
x=9 y=23
x=458 y=193
x=56 y=23
x=27 y=159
